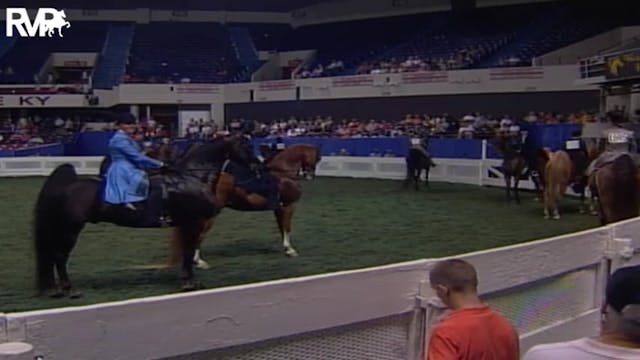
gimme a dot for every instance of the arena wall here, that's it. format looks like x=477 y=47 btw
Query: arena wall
x=381 y=312
x=550 y=289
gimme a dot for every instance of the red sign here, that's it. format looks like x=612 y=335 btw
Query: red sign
x=425 y=77
x=276 y=85
x=516 y=73
x=197 y=89
x=349 y=81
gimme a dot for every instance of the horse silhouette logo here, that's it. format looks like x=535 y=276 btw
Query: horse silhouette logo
x=58 y=22
x=47 y=21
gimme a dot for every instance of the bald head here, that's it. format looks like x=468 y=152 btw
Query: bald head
x=455 y=274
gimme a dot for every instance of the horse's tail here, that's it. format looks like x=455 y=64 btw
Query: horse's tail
x=625 y=187
x=46 y=223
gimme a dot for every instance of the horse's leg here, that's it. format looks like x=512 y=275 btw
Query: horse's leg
x=197 y=258
x=61 y=259
x=516 y=194
x=188 y=237
x=416 y=178
x=547 y=199
x=283 y=216
x=507 y=181
x=556 y=196
x=582 y=199
x=426 y=176
x=408 y=178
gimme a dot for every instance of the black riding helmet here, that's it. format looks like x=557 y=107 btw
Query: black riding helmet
x=126 y=118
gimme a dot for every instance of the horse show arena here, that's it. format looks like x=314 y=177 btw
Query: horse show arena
x=340 y=224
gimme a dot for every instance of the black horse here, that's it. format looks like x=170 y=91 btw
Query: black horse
x=67 y=202
x=417 y=161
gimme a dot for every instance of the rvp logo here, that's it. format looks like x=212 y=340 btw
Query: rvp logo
x=46 y=22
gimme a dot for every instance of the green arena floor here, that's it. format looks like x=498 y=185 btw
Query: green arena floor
x=340 y=224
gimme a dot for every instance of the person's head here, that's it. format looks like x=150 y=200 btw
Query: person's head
x=127 y=123
x=455 y=281
x=621 y=311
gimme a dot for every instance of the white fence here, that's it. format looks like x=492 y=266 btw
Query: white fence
x=550 y=289
x=467 y=171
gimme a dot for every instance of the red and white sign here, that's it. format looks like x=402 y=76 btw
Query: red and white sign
x=351 y=81
x=276 y=85
x=197 y=89
x=521 y=73
x=425 y=77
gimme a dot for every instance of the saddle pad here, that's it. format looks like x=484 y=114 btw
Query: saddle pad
x=280 y=146
x=572 y=145
x=264 y=185
x=415 y=141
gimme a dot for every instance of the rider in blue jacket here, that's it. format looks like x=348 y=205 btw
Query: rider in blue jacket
x=127 y=181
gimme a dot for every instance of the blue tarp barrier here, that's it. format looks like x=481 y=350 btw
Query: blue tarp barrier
x=44 y=150
x=552 y=136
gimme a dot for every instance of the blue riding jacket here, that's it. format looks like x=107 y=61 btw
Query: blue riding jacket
x=126 y=179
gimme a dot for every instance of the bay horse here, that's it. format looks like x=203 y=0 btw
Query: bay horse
x=283 y=168
x=513 y=164
x=616 y=187
x=416 y=161
x=67 y=202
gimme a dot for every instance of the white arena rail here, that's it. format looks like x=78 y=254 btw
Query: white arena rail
x=465 y=171
x=550 y=289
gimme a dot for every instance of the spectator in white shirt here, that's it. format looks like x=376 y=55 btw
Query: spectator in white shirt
x=620 y=328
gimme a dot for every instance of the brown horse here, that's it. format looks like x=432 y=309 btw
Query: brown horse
x=284 y=167
x=513 y=162
x=616 y=188
x=558 y=174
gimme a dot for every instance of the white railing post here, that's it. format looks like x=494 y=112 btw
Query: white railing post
x=482 y=162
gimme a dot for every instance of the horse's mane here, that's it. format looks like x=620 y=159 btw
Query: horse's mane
x=204 y=153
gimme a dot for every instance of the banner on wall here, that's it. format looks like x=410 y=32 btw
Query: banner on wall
x=425 y=77
x=623 y=66
x=519 y=73
x=197 y=89
x=42 y=101
x=350 y=81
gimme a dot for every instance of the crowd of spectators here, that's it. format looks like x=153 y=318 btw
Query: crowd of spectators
x=472 y=125
x=26 y=132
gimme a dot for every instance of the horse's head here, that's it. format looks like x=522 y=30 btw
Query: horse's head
x=311 y=156
x=240 y=149
x=297 y=158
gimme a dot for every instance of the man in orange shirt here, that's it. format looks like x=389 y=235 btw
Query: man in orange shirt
x=472 y=330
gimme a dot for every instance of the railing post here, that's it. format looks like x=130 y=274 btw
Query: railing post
x=482 y=163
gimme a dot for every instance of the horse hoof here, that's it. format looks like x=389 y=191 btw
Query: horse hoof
x=58 y=294
x=557 y=217
x=546 y=217
x=203 y=265
x=189 y=286
x=291 y=253
x=75 y=295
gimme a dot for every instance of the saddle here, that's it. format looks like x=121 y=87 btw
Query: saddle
x=262 y=183
x=149 y=213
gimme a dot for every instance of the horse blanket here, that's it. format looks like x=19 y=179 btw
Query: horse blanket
x=263 y=184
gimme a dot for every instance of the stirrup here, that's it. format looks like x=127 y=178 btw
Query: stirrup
x=165 y=221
